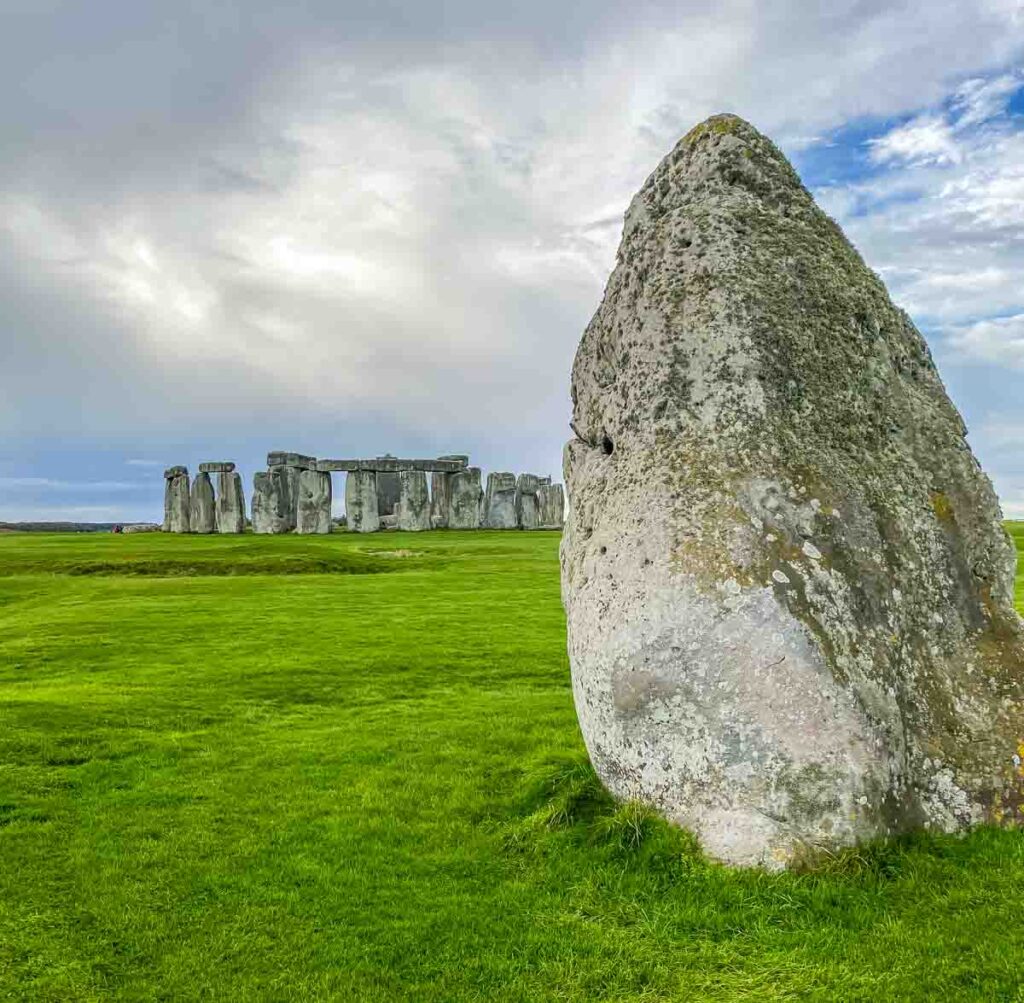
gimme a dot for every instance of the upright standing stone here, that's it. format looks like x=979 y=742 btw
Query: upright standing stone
x=466 y=499
x=272 y=511
x=177 y=505
x=788 y=588
x=527 y=502
x=287 y=467
x=389 y=490
x=414 y=505
x=202 y=510
x=361 y=513
x=314 y=502
x=500 y=503
x=440 y=493
x=230 y=503
x=551 y=502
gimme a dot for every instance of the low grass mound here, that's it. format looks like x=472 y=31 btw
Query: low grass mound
x=337 y=786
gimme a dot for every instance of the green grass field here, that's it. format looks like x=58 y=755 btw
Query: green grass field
x=297 y=768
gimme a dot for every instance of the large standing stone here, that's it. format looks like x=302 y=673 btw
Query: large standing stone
x=314 y=502
x=551 y=502
x=389 y=490
x=272 y=511
x=466 y=499
x=177 y=505
x=500 y=503
x=202 y=510
x=287 y=477
x=230 y=502
x=440 y=493
x=527 y=503
x=361 y=511
x=414 y=506
x=789 y=593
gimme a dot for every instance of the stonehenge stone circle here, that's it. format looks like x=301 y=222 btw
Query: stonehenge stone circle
x=177 y=503
x=527 y=503
x=466 y=499
x=202 y=511
x=413 y=508
x=788 y=590
x=361 y=501
x=313 y=514
x=389 y=490
x=230 y=501
x=294 y=495
x=500 y=501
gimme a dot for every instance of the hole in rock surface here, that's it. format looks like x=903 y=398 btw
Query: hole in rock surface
x=607 y=446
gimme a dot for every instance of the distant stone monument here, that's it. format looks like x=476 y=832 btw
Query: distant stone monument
x=551 y=504
x=465 y=499
x=314 y=502
x=230 y=504
x=361 y=501
x=177 y=504
x=788 y=589
x=202 y=511
x=527 y=501
x=413 y=508
x=500 y=502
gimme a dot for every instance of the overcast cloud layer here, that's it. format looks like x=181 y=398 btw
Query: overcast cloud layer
x=351 y=228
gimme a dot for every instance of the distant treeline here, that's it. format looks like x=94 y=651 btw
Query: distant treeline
x=57 y=527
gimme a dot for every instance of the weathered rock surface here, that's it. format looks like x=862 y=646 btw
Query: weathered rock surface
x=466 y=499
x=500 y=501
x=219 y=467
x=281 y=458
x=527 y=502
x=177 y=505
x=313 y=513
x=271 y=502
x=141 y=527
x=230 y=503
x=440 y=493
x=361 y=501
x=789 y=594
x=287 y=476
x=551 y=502
x=202 y=510
x=413 y=508
x=389 y=490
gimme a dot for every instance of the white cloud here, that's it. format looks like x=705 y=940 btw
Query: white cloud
x=1000 y=340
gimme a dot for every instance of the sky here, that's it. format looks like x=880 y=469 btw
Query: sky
x=350 y=228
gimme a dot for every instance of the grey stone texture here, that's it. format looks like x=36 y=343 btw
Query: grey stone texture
x=216 y=468
x=788 y=590
x=361 y=501
x=177 y=505
x=202 y=511
x=391 y=464
x=313 y=511
x=527 y=502
x=389 y=492
x=500 y=501
x=440 y=492
x=465 y=499
x=413 y=509
x=271 y=507
x=279 y=458
x=230 y=503
x=551 y=503
x=288 y=490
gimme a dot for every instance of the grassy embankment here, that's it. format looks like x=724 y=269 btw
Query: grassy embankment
x=320 y=768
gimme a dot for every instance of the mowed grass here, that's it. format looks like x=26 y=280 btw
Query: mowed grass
x=348 y=768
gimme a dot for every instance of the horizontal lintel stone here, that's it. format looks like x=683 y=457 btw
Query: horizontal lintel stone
x=216 y=468
x=279 y=458
x=392 y=465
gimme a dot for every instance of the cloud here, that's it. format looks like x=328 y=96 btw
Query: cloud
x=334 y=225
